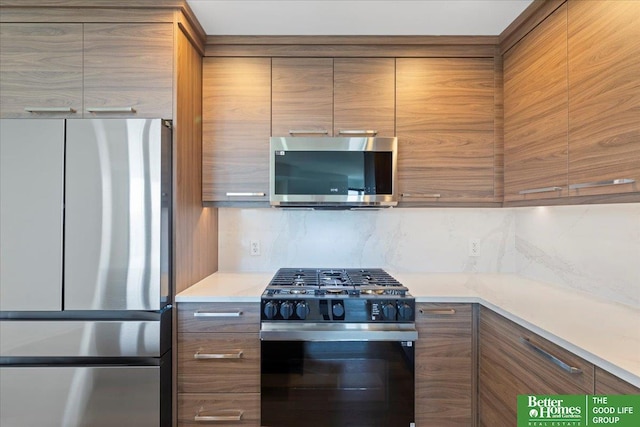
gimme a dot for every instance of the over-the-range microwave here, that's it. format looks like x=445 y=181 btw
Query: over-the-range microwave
x=333 y=173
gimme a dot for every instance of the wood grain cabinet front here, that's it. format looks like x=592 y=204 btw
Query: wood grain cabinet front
x=607 y=383
x=445 y=365
x=218 y=364
x=514 y=361
x=445 y=123
x=236 y=129
x=76 y=70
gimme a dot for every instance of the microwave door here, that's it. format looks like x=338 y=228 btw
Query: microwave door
x=114 y=220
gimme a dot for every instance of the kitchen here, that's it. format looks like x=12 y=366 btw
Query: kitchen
x=482 y=243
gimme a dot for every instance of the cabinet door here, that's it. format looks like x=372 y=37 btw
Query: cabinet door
x=364 y=91
x=31 y=198
x=40 y=70
x=236 y=129
x=128 y=70
x=444 y=365
x=607 y=383
x=511 y=362
x=604 y=96
x=302 y=96
x=445 y=126
x=535 y=113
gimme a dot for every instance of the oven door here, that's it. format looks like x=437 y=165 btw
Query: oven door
x=324 y=383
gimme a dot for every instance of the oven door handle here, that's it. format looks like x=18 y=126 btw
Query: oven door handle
x=293 y=331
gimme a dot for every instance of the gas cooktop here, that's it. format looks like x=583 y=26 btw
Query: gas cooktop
x=336 y=295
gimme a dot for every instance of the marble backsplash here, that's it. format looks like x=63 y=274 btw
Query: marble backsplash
x=594 y=248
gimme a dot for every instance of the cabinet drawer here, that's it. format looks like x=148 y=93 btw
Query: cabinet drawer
x=218 y=317
x=528 y=356
x=219 y=409
x=218 y=363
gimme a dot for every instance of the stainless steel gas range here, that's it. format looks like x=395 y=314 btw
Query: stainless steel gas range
x=337 y=349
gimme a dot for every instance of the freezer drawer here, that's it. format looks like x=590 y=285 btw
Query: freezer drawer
x=122 y=396
x=117 y=200
x=31 y=191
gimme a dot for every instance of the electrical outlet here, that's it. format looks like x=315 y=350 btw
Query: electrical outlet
x=474 y=247
x=254 y=247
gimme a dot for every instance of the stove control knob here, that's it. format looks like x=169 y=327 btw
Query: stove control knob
x=337 y=309
x=405 y=311
x=389 y=311
x=270 y=309
x=286 y=309
x=302 y=310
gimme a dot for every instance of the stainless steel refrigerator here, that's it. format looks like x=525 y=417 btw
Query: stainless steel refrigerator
x=85 y=279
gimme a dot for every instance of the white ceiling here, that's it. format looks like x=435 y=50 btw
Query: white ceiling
x=356 y=17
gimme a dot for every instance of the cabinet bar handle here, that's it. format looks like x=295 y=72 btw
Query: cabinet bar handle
x=550 y=357
x=49 y=110
x=217 y=314
x=307 y=131
x=602 y=183
x=540 y=190
x=231 y=415
x=245 y=194
x=435 y=195
x=199 y=355
x=447 y=311
x=111 y=109
x=358 y=132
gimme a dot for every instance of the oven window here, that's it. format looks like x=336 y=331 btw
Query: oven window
x=337 y=384
x=327 y=173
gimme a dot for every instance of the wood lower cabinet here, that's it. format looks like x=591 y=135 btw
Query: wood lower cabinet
x=604 y=96
x=445 y=372
x=535 y=113
x=607 y=383
x=218 y=364
x=236 y=129
x=513 y=361
x=445 y=123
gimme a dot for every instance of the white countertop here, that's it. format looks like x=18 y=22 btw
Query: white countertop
x=605 y=333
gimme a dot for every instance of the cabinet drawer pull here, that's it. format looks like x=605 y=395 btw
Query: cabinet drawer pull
x=308 y=131
x=434 y=195
x=218 y=313
x=540 y=190
x=602 y=183
x=550 y=357
x=199 y=355
x=245 y=194
x=224 y=416
x=358 y=132
x=438 y=311
x=49 y=110
x=111 y=109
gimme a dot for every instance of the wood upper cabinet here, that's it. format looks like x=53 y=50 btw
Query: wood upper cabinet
x=604 y=96
x=236 y=129
x=40 y=69
x=445 y=126
x=445 y=365
x=302 y=90
x=535 y=113
x=333 y=96
x=607 y=383
x=105 y=70
x=364 y=96
x=128 y=66
x=514 y=361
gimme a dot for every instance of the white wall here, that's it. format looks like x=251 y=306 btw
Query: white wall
x=593 y=248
